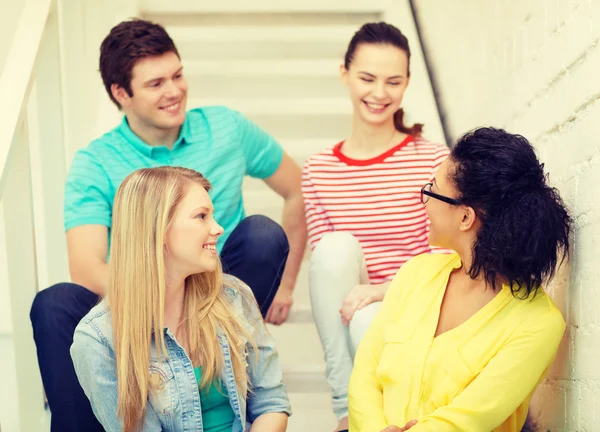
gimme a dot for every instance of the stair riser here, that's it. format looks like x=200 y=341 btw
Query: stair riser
x=328 y=127
x=275 y=87
x=250 y=50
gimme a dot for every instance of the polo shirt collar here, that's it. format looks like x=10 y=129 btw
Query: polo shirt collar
x=148 y=150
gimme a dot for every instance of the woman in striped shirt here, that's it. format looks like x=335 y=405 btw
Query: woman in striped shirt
x=362 y=199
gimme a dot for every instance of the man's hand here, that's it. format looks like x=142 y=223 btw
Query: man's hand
x=359 y=297
x=280 y=308
x=406 y=427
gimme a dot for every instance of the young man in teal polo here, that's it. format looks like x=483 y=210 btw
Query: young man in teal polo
x=143 y=75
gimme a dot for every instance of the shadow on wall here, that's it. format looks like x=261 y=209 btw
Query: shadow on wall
x=544 y=403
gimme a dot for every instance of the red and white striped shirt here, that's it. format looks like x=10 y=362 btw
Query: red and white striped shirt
x=377 y=200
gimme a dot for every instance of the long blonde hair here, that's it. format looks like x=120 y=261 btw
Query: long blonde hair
x=144 y=206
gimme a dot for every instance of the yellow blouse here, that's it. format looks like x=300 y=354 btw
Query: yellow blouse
x=477 y=377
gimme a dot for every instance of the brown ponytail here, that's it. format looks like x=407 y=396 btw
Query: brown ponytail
x=414 y=130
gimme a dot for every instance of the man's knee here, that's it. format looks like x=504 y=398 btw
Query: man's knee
x=50 y=301
x=263 y=237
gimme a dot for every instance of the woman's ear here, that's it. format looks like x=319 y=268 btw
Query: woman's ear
x=469 y=217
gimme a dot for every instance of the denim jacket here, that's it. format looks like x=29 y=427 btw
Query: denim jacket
x=174 y=405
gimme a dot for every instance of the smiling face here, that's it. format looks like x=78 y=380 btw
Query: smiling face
x=377 y=79
x=192 y=235
x=159 y=95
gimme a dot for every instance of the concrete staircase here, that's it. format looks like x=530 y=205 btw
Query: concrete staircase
x=280 y=70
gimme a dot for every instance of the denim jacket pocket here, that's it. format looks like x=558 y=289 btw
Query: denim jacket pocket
x=162 y=393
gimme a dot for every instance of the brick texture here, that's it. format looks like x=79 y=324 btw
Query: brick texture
x=533 y=67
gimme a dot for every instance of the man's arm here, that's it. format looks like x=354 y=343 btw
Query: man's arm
x=286 y=181
x=87 y=247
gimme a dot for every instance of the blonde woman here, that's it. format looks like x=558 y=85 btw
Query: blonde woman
x=176 y=345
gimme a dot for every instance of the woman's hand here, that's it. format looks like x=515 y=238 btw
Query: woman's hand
x=359 y=297
x=406 y=427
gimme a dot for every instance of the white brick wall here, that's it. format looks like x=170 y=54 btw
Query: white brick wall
x=533 y=67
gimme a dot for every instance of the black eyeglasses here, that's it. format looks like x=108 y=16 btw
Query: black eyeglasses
x=426 y=193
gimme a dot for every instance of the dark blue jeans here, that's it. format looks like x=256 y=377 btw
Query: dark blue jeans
x=255 y=252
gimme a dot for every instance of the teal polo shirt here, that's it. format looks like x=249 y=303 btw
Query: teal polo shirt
x=219 y=143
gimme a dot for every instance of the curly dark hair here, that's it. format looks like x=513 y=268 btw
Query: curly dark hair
x=525 y=227
x=126 y=44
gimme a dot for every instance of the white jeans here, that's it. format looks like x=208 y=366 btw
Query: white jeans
x=337 y=265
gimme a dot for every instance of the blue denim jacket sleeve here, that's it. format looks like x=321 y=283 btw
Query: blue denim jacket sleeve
x=96 y=370
x=268 y=393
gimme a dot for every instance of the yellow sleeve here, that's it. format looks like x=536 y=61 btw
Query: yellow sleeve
x=365 y=393
x=504 y=383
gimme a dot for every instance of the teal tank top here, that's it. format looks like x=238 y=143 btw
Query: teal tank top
x=217 y=415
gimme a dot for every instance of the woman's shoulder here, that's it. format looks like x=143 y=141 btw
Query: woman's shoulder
x=324 y=156
x=238 y=293
x=234 y=286
x=416 y=273
x=98 y=316
x=243 y=302
x=421 y=140
x=540 y=309
x=97 y=324
x=424 y=145
x=428 y=262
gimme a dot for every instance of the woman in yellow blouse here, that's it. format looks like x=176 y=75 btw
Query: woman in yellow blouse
x=463 y=340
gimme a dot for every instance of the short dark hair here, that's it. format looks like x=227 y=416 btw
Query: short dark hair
x=382 y=33
x=126 y=44
x=525 y=225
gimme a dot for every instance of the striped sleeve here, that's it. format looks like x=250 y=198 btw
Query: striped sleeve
x=440 y=156
x=317 y=222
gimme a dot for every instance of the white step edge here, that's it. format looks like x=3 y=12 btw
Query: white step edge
x=262 y=34
x=292 y=106
x=302 y=149
x=263 y=67
x=300 y=314
x=265 y=6
x=308 y=144
x=305 y=378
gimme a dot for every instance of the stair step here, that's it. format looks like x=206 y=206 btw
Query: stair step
x=311 y=412
x=300 y=314
x=310 y=126
x=265 y=6
x=278 y=87
x=305 y=378
x=265 y=42
x=216 y=18
x=306 y=147
x=298 y=343
x=298 y=149
x=282 y=107
x=261 y=34
x=263 y=67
